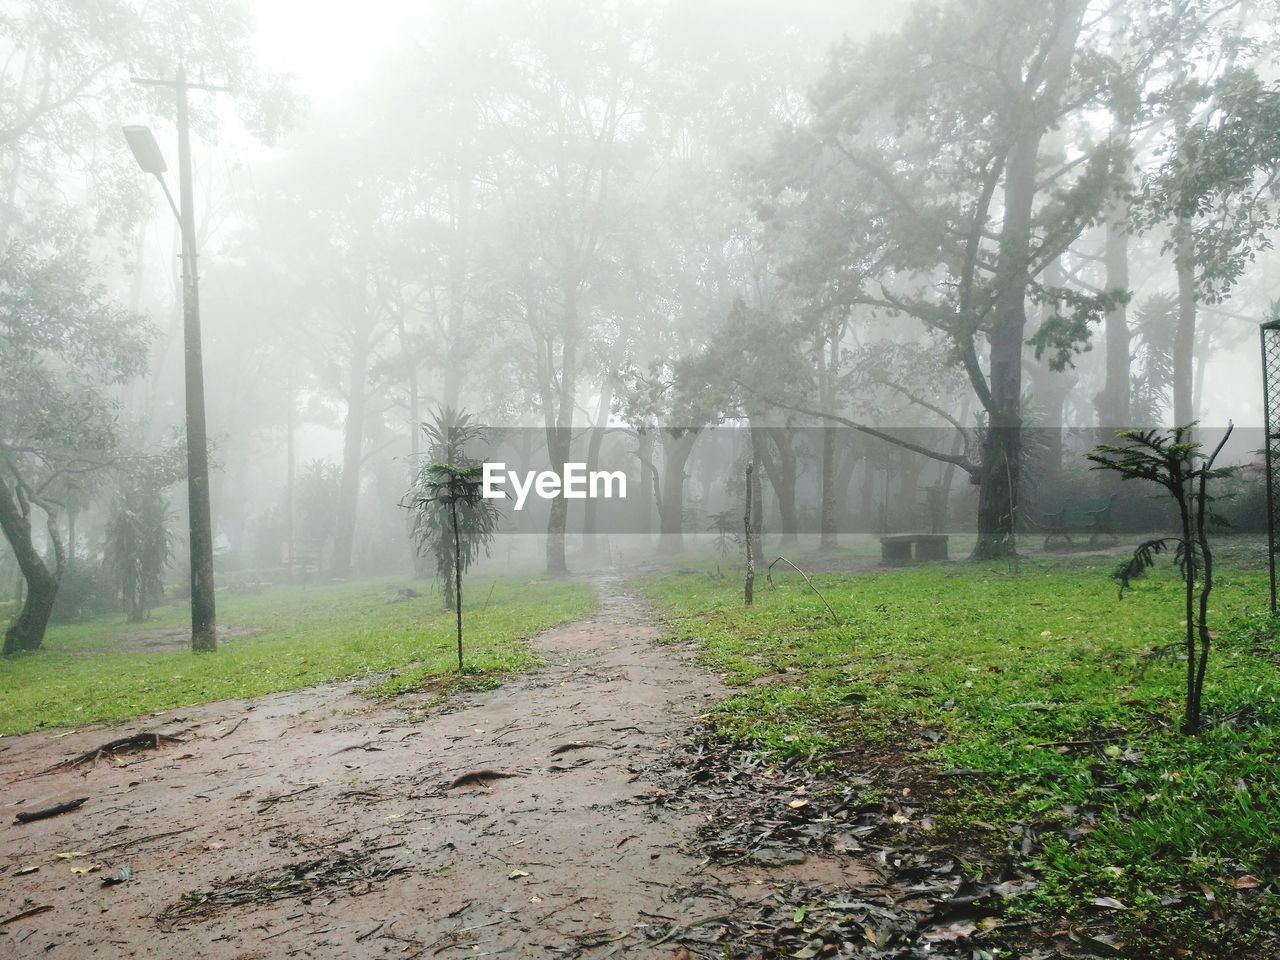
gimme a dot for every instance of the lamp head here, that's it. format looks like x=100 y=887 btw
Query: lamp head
x=145 y=150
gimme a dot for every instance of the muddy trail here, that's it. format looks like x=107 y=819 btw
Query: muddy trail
x=542 y=818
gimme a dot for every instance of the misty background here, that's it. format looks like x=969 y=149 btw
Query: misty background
x=659 y=237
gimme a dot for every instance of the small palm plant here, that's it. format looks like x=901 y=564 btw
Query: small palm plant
x=1175 y=461
x=449 y=434
x=724 y=526
x=451 y=516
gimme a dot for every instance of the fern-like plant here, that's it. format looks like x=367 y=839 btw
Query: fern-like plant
x=723 y=525
x=451 y=516
x=1176 y=462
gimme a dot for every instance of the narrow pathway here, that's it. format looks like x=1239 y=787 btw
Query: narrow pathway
x=344 y=811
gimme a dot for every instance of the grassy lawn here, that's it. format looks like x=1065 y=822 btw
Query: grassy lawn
x=1055 y=696
x=308 y=635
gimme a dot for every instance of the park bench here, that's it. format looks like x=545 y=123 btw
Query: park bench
x=899 y=548
x=1091 y=517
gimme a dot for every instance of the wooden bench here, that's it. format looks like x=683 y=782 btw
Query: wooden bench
x=1093 y=518
x=897 y=549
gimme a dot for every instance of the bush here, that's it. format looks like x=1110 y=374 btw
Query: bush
x=81 y=595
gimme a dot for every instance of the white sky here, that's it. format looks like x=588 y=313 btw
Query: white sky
x=330 y=46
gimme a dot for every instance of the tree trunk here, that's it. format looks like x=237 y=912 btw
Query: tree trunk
x=457 y=575
x=1114 y=405
x=458 y=249
x=560 y=435
x=1184 y=337
x=757 y=494
x=748 y=586
x=827 y=537
x=589 y=508
x=27 y=631
x=1113 y=402
x=352 y=454
x=559 y=441
x=1002 y=449
x=644 y=453
x=782 y=477
x=907 y=501
x=1050 y=389
x=675 y=456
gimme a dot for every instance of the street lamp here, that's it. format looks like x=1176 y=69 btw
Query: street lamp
x=146 y=151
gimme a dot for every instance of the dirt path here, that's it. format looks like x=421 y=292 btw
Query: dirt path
x=341 y=808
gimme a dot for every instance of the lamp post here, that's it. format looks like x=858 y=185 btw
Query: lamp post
x=204 y=635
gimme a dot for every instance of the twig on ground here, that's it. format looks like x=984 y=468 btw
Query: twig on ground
x=31 y=816
x=830 y=609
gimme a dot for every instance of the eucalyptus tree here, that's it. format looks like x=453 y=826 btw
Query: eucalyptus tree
x=64 y=346
x=923 y=190
x=1212 y=173
x=567 y=106
x=345 y=270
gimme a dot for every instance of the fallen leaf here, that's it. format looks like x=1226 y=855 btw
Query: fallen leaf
x=1108 y=903
x=516 y=874
x=91 y=868
x=956 y=931
x=70 y=855
x=797 y=804
x=1247 y=882
x=23 y=871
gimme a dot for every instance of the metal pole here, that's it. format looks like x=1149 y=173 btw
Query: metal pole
x=290 y=496
x=1271 y=434
x=204 y=635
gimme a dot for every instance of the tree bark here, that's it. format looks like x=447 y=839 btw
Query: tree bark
x=827 y=537
x=644 y=453
x=1002 y=447
x=352 y=454
x=757 y=494
x=748 y=586
x=458 y=249
x=457 y=575
x=1114 y=404
x=782 y=477
x=27 y=631
x=675 y=456
x=560 y=429
x=1184 y=337
x=589 y=508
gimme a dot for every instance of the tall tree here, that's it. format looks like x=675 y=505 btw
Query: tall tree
x=923 y=189
x=569 y=106
x=63 y=346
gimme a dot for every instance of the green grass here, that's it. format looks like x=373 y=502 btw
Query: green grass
x=308 y=635
x=1005 y=665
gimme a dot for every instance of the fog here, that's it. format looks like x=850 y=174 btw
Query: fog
x=910 y=263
